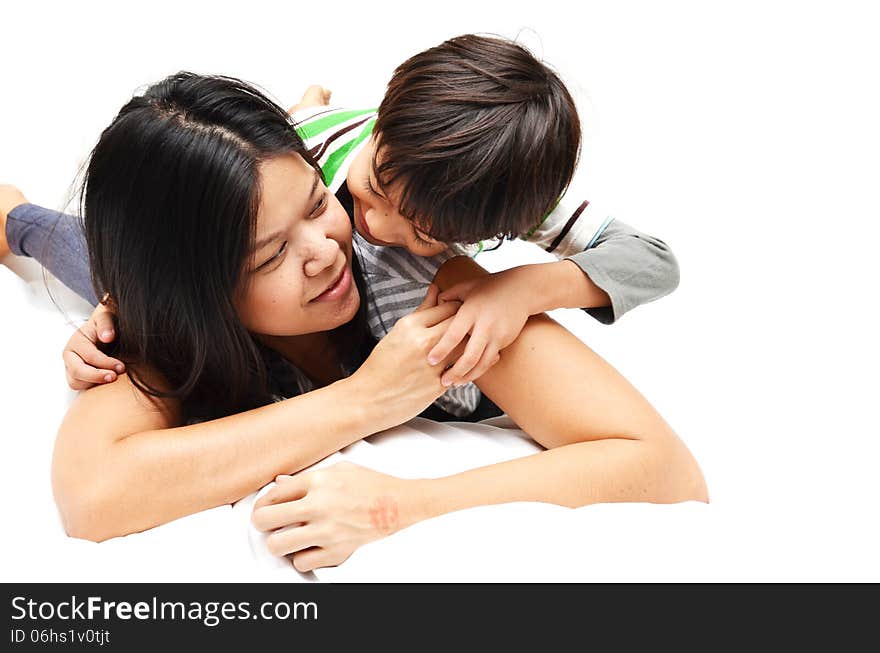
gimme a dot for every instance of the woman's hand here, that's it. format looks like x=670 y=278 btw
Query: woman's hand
x=322 y=517
x=397 y=376
x=85 y=365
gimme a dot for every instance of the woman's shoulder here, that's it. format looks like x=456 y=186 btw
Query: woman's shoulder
x=116 y=410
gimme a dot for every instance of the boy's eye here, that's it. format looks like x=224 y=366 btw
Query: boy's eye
x=369 y=187
x=422 y=240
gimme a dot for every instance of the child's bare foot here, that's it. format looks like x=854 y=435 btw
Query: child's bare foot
x=315 y=96
x=10 y=197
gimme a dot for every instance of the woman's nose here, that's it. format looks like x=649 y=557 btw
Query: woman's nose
x=322 y=254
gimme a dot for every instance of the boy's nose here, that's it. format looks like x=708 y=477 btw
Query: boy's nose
x=379 y=224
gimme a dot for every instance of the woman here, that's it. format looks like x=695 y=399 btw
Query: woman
x=227 y=261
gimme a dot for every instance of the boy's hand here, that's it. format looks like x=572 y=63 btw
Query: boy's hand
x=84 y=363
x=494 y=311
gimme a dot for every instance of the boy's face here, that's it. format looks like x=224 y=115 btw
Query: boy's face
x=376 y=214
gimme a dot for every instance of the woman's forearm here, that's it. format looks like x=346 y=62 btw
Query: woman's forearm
x=107 y=486
x=573 y=475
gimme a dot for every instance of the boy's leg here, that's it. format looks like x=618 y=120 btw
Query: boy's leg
x=10 y=197
x=313 y=97
x=55 y=240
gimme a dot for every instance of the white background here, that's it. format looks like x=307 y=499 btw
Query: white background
x=745 y=135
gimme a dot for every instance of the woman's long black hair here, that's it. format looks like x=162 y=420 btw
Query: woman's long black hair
x=169 y=204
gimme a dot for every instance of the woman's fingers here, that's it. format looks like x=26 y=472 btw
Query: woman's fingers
x=81 y=375
x=430 y=312
x=277 y=515
x=429 y=317
x=287 y=488
x=430 y=298
x=316 y=557
x=291 y=540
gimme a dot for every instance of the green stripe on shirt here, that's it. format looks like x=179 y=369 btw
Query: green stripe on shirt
x=531 y=231
x=311 y=129
x=331 y=166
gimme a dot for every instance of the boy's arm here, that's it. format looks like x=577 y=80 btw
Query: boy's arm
x=618 y=269
x=624 y=267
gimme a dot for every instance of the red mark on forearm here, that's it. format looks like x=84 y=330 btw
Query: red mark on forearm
x=384 y=515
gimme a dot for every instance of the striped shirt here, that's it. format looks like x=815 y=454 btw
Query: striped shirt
x=397 y=280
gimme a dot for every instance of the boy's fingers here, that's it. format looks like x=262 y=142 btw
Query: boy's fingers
x=446 y=295
x=87 y=333
x=76 y=384
x=81 y=371
x=104 y=326
x=454 y=335
x=83 y=345
x=97 y=359
x=93 y=356
x=487 y=360
x=466 y=363
x=438 y=330
x=459 y=291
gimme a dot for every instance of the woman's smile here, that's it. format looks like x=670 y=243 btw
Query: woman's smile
x=338 y=289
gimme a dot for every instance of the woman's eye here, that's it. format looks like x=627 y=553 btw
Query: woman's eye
x=275 y=256
x=320 y=206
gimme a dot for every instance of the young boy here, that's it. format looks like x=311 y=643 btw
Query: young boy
x=474 y=139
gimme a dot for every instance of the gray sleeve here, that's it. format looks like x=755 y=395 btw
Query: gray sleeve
x=632 y=267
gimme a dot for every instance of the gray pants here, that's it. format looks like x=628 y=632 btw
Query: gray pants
x=56 y=240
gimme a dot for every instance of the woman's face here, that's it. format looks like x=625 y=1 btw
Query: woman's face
x=299 y=280
x=376 y=214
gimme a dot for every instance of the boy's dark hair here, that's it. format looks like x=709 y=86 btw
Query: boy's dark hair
x=481 y=136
